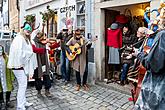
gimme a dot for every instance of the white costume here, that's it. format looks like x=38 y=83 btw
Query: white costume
x=22 y=55
x=23 y=60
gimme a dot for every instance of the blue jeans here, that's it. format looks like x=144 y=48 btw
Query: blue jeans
x=65 y=69
x=125 y=71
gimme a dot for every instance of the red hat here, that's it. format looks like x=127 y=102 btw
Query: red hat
x=121 y=19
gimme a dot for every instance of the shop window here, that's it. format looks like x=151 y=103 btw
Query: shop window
x=52 y=26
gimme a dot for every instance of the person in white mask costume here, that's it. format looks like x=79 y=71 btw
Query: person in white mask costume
x=22 y=61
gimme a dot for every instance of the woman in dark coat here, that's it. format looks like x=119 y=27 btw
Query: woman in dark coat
x=126 y=56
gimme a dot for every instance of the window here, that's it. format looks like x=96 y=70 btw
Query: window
x=6 y=35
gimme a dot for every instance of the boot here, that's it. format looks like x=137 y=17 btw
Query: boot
x=122 y=83
x=47 y=93
x=2 y=106
x=126 y=81
x=9 y=104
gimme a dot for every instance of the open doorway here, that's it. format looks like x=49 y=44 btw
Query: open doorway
x=134 y=13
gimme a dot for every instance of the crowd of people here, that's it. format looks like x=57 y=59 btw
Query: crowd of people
x=29 y=56
x=149 y=51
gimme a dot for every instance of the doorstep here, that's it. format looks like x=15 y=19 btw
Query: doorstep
x=126 y=89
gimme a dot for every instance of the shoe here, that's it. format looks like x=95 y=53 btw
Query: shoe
x=122 y=83
x=9 y=105
x=86 y=87
x=39 y=94
x=2 y=106
x=47 y=93
x=126 y=81
x=63 y=80
x=27 y=104
x=66 y=82
x=77 y=87
x=131 y=99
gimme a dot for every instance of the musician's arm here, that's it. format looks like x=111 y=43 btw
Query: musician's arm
x=54 y=45
x=69 y=43
x=38 y=50
x=59 y=36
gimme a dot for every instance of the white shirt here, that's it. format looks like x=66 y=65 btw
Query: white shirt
x=21 y=55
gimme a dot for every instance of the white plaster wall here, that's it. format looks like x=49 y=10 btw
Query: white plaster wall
x=99 y=50
x=90 y=29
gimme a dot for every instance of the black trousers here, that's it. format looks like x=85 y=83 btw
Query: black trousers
x=38 y=82
x=78 y=77
x=7 y=97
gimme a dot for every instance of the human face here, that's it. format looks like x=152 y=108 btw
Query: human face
x=125 y=29
x=140 y=33
x=78 y=35
x=27 y=32
x=1 y=50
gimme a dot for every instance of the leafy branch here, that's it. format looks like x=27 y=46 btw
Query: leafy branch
x=48 y=14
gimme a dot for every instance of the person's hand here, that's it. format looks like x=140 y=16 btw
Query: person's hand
x=147 y=51
x=136 y=51
x=47 y=47
x=48 y=44
x=70 y=54
x=129 y=56
x=59 y=48
x=47 y=40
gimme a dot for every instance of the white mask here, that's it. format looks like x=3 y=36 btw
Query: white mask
x=0 y=51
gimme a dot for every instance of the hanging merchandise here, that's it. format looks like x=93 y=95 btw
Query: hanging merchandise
x=151 y=22
x=114 y=42
x=121 y=19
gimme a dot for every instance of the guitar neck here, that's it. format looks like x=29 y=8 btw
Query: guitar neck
x=84 y=44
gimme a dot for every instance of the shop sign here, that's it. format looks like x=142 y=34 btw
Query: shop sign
x=34 y=3
x=67 y=13
x=67 y=8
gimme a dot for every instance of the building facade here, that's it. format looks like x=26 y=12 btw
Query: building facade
x=4 y=20
x=68 y=14
x=65 y=10
x=94 y=16
x=14 y=15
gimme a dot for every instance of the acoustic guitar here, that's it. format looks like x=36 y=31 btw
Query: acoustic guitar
x=76 y=50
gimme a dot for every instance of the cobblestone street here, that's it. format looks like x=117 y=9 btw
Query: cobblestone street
x=66 y=98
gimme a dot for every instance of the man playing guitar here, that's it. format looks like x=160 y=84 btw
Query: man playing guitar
x=79 y=63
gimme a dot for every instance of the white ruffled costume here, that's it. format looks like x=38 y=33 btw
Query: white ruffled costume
x=22 y=55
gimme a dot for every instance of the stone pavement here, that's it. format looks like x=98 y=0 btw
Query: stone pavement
x=66 y=98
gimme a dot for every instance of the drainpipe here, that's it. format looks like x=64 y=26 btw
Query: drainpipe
x=18 y=9
x=8 y=13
